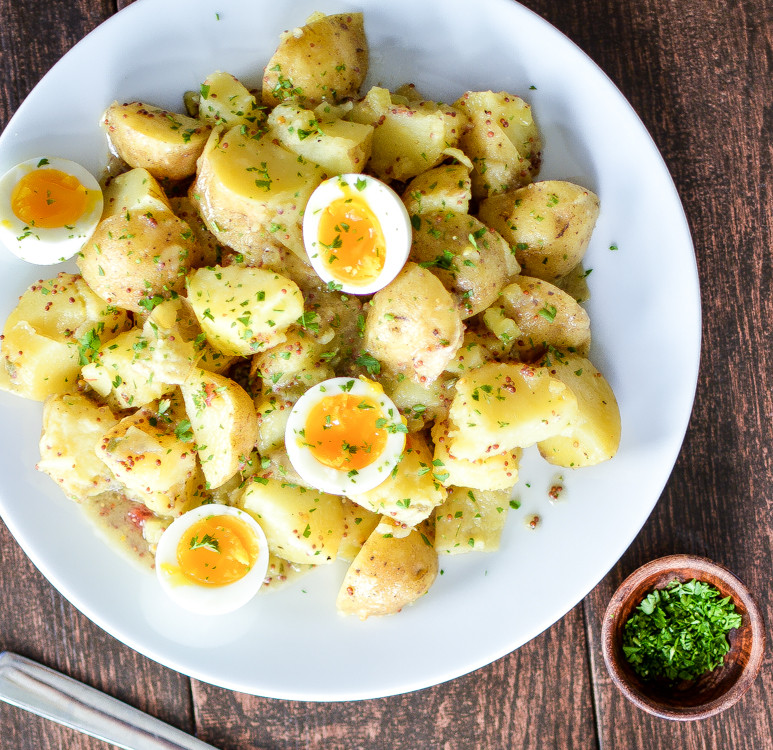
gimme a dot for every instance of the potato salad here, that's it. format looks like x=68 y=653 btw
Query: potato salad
x=312 y=323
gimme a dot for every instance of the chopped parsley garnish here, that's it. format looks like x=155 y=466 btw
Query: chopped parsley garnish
x=679 y=632
x=206 y=542
x=183 y=431
x=370 y=363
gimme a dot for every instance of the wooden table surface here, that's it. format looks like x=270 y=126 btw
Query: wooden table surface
x=700 y=75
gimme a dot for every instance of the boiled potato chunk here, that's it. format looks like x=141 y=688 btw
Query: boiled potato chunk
x=497 y=472
x=468 y=257
x=502 y=140
x=410 y=493
x=338 y=146
x=243 y=310
x=273 y=411
x=389 y=573
x=302 y=525
x=209 y=251
x=443 y=188
x=498 y=407
x=57 y=326
x=294 y=365
x=251 y=192
x=419 y=403
x=165 y=143
x=409 y=137
x=72 y=427
x=142 y=365
x=224 y=100
x=151 y=453
x=327 y=59
x=476 y=350
x=414 y=326
x=140 y=249
x=223 y=421
x=358 y=526
x=548 y=224
x=595 y=434
x=470 y=520
x=545 y=315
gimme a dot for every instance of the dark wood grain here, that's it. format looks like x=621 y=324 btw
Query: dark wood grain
x=698 y=72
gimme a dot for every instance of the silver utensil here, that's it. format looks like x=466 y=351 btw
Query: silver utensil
x=45 y=692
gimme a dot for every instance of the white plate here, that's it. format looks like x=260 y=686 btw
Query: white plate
x=645 y=315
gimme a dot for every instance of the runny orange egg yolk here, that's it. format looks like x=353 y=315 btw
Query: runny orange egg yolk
x=217 y=550
x=353 y=246
x=49 y=198
x=345 y=432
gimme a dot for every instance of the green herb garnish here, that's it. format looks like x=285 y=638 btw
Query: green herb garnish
x=679 y=632
x=206 y=542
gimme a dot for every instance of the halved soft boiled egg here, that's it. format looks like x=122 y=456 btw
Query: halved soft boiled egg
x=212 y=559
x=357 y=233
x=49 y=207
x=344 y=436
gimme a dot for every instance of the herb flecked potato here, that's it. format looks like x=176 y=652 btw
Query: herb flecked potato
x=301 y=525
x=414 y=326
x=72 y=426
x=165 y=143
x=251 y=191
x=548 y=224
x=151 y=453
x=224 y=423
x=545 y=317
x=57 y=326
x=327 y=59
x=139 y=249
x=501 y=406
x=468 y=257
x=389 y=572
x=594 y=436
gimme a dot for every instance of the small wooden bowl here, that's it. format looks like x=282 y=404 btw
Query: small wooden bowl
x=710 y=693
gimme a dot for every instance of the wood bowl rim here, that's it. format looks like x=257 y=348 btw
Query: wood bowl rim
x=676 y=564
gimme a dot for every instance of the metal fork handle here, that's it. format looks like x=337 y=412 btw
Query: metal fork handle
x=45 y=692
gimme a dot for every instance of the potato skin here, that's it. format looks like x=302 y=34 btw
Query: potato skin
x=165 y=143
x=139 y=249
x=468 y=257
x=388 y=573
x=548 y=224
x=327 y=59
x=134 y=257
x=414 y=326
x=546 y=316
x=502 y=140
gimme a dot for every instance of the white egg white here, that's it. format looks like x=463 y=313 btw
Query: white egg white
x=40 y=245
x=327 y=478
x=202 y=599
x=390 y=212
